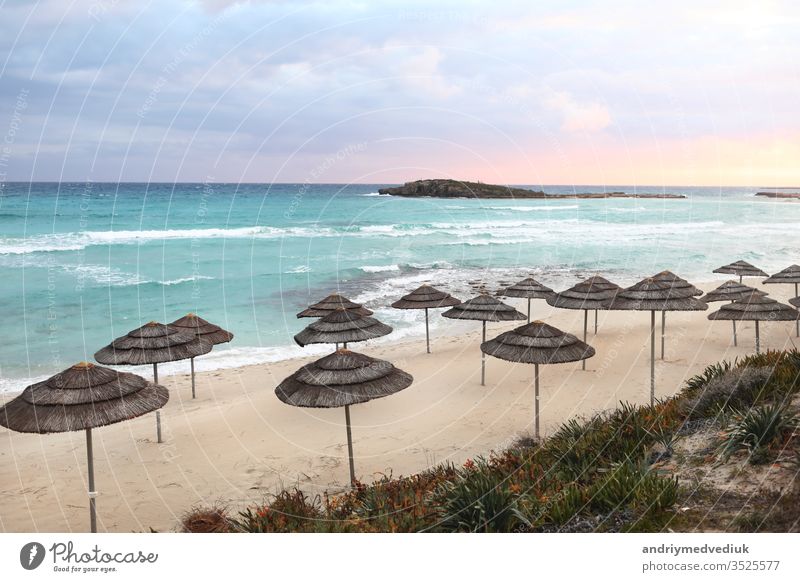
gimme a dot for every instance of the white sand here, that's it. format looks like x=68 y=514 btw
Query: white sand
x=237 y=442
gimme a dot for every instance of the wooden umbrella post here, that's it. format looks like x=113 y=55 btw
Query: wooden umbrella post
x=595 y=322
x=758 y=340
x=585 y=325
x=427 y=333
x=735 y=343
x=536 y=398
x=652 y=357
x=158 y=412
x=483 y=358
x=191 y=360
x=663 y=332
x=350 y=445
x=92 y=492
x=529 y=309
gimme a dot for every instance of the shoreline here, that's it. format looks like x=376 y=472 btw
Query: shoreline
x=237 y=442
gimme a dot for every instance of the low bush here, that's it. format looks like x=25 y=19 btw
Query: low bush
x=758 y=430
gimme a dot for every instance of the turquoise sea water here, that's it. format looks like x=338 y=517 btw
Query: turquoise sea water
x=81 y=264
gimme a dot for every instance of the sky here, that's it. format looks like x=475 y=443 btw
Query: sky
x=569 y=92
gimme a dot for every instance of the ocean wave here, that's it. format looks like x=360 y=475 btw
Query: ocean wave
x=374 y=194
x=379 y=268
x=112 y=277
x=298 y=270
x=476 y=231
x=220 y=359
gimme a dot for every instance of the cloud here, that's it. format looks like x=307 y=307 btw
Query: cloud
x=575 y=116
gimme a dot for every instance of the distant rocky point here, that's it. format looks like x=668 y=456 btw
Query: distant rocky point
x=779 y=194
x=459 y=189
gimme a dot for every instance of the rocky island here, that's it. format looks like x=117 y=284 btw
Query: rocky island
x=784 y=195
x=459 y=189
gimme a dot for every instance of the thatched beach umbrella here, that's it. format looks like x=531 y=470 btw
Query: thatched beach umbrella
x=82 y=397
x=756 y=307
x=537 y=343
x=484 y=308
x=426 y=297
x=729 y=291
x=679 y=283
x=651 y=295
x=153 y=343
x=342 y=378
x=742 y=269
x=332 y=303
x=528 y=289
x=795 y=301
x=790 y=274
x=593 y=293
x=340 y=327
x=202 y=329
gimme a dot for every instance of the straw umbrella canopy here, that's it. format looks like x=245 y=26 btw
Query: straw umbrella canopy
x=537 y=343
x=742 y=269
x=651 y=295
x=426 y=297
x=756 y=307
x=790 y=274
x=593 y=293
x=528 y=289
x=484 y=308
x=679 y=283
x=202 y=329
x=340 y=327
x=153 y=343
x=82 y=397
x=332 y=303
x=730 y=291
x=342 y=378
x=795 y=301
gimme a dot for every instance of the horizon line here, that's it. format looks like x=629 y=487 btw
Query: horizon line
x=392 y=183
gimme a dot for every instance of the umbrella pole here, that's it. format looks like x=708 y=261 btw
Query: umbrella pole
x=536 y=398
x=595 y=322
x=427 y=333
x=158 y=412
x=529 y=309
x=734 y=332
x=585 y=323
x=663 y=325
x=740 y=279
x=337 y=346
x=758 y=340
x=192 y=364
x=652 y=357
x=350 y=445
x=92 y=492
x=483 y=358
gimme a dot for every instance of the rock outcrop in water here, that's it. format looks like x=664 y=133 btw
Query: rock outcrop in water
x=791 y=195
x=459 y=189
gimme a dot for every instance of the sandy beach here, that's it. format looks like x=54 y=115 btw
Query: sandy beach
x=237 y=442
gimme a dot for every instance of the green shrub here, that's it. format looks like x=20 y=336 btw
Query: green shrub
x=736 y=388
x=290 y=511
x=756 y=430
x=478 y=501
x=631 y=484
x=696 y=383
x=565 y=505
